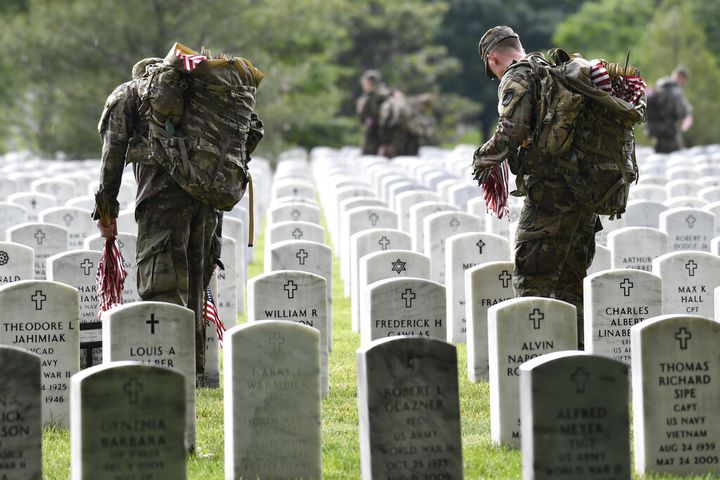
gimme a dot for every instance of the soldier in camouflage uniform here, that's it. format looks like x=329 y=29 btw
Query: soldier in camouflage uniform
x=175 y=231
x=368 y=109
x=669 y=112
x=396 y=132
x=555 y=238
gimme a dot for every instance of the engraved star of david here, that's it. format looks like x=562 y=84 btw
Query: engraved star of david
x=398 y=266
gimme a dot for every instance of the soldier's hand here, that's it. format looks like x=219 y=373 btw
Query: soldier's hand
x=108 y=231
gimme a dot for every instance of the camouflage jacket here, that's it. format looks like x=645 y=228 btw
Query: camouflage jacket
x=518 y=97
x=124 y=135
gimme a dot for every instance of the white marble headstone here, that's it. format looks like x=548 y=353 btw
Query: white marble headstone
x=42 y=317
x=437 y=228
x=17 y=262
x=155 y=333
x=462 y=252
x=689 y=279
x=385 y=265
x=45 y=239
x=614 y=301
x=409 y=409
x=636 y=247
x=519 y=330
x=688 y=229
x=486 y=285
x=77 y=221
x=676 y=395
x=272 y=401
x=292 y=296
x=20 y=411
x=410 y=307
x=127 y=422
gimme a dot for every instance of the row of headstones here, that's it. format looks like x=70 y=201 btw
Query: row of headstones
x=138 y=417
x=567 y=409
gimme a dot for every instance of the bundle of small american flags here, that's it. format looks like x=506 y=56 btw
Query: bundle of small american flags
x=629 y=88
x=495 y=189
x=110 y=277
x=211 y=316
x=190 y=60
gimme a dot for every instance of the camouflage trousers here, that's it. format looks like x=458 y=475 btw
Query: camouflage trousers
x=174 y=257
x=554 y=246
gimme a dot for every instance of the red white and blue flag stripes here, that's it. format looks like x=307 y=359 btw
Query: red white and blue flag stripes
x=211 y=315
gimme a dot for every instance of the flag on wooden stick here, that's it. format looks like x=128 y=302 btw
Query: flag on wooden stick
x=211 y=315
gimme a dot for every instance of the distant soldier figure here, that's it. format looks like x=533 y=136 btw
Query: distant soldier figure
x=669 y=112
x=368 y=109
x=396 y=126
x=423 y=121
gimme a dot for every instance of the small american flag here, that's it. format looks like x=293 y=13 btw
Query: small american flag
x=495 y=189
x=211 y=316
x=110 y=277
x=629 y=88
x=600 y=77
x=190 y=61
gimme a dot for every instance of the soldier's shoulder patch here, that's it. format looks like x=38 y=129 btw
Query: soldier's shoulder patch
x=510 y=92
x=507 y=97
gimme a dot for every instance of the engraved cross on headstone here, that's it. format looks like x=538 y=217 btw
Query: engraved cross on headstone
x=690 y=220
x=38 y=298
x=132 y=389
x=33 y=203
x=295 y=214
x=408 y=296
x=505 y=278
x=276 y=341
x=152 y=322
x=290 y=288
x=86 y=265
x=68 y=219
x=579 y=377
x=690 y=267
x=480 y=244
x=297 y=234
x=626 y=285
x=454 y=224
x=373 y=217
x=384 y=242
x=536 y=316
x=39 y=236
x=301 y=255
x=682 y=336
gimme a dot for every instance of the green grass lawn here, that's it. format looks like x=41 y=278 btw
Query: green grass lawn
x=340 y=437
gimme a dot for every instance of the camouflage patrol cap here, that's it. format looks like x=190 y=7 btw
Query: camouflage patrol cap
x=138 y=69
x=372 y=75
x=489 y=40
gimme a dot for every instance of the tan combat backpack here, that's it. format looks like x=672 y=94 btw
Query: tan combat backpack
x=588 y=130
x=202 y=122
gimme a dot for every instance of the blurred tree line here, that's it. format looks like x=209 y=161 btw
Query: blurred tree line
x=63 y=57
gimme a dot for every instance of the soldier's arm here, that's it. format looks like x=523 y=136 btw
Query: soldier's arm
x=116 y=128
x=515 y=121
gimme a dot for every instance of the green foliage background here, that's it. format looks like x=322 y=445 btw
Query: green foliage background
x=63 y=57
